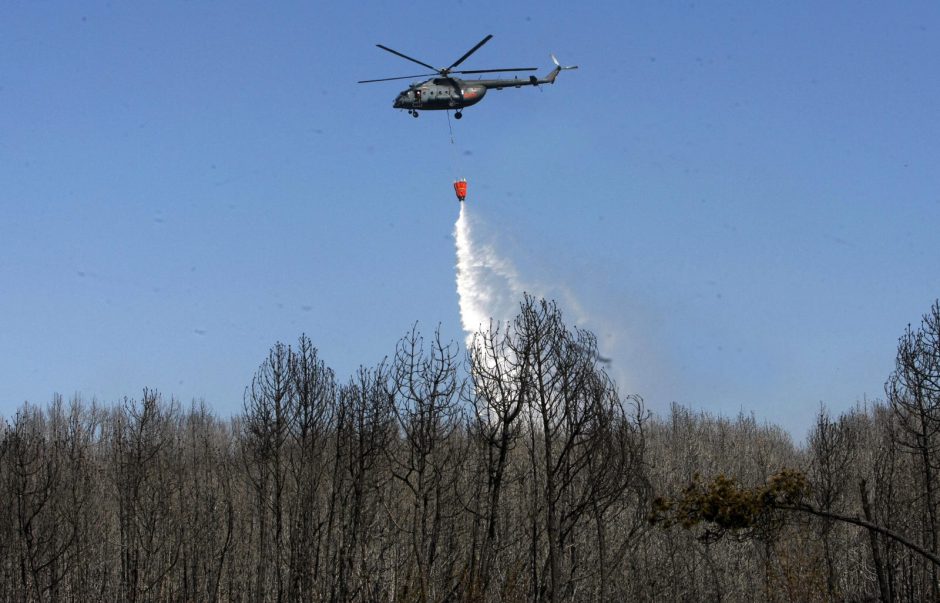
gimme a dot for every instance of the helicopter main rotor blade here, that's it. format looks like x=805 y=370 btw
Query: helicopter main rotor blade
x=469 y=52
x=498 y=70
x=405 y=56
x=388 y=79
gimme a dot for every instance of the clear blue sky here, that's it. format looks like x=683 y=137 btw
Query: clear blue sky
x=743 y=198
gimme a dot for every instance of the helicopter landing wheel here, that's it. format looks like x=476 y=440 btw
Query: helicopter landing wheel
x=458 y=115
x=414 y=114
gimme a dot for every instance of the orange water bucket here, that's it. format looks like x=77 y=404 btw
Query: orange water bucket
x=460 y=187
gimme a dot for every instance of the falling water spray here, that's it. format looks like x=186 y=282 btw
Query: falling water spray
x=488 y=286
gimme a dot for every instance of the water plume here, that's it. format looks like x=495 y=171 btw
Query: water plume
x=490 y=289
x=488 y=286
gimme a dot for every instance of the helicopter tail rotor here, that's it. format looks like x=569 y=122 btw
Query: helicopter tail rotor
x=561 y=67
x=550 y=78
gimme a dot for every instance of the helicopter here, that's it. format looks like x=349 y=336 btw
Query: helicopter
x=444 y=92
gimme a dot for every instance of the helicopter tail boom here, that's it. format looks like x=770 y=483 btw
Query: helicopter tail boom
x=532 y=81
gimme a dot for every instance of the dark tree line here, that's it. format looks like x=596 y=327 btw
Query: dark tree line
x=514 y=471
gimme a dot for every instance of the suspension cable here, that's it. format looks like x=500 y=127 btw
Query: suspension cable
x=453 y=145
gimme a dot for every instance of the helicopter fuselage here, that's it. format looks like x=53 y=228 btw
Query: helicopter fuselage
x=440 y=93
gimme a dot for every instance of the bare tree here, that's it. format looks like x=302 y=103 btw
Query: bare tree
x=364 y=430
x=45 y=527
x=208 y=474
x=269 y=415
x=314 y=387
x=426 y=409
x=833 y=450
x=498 y=382
x=616 y=484
x=148 y=493
x=551 y=376
x=913 y=391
